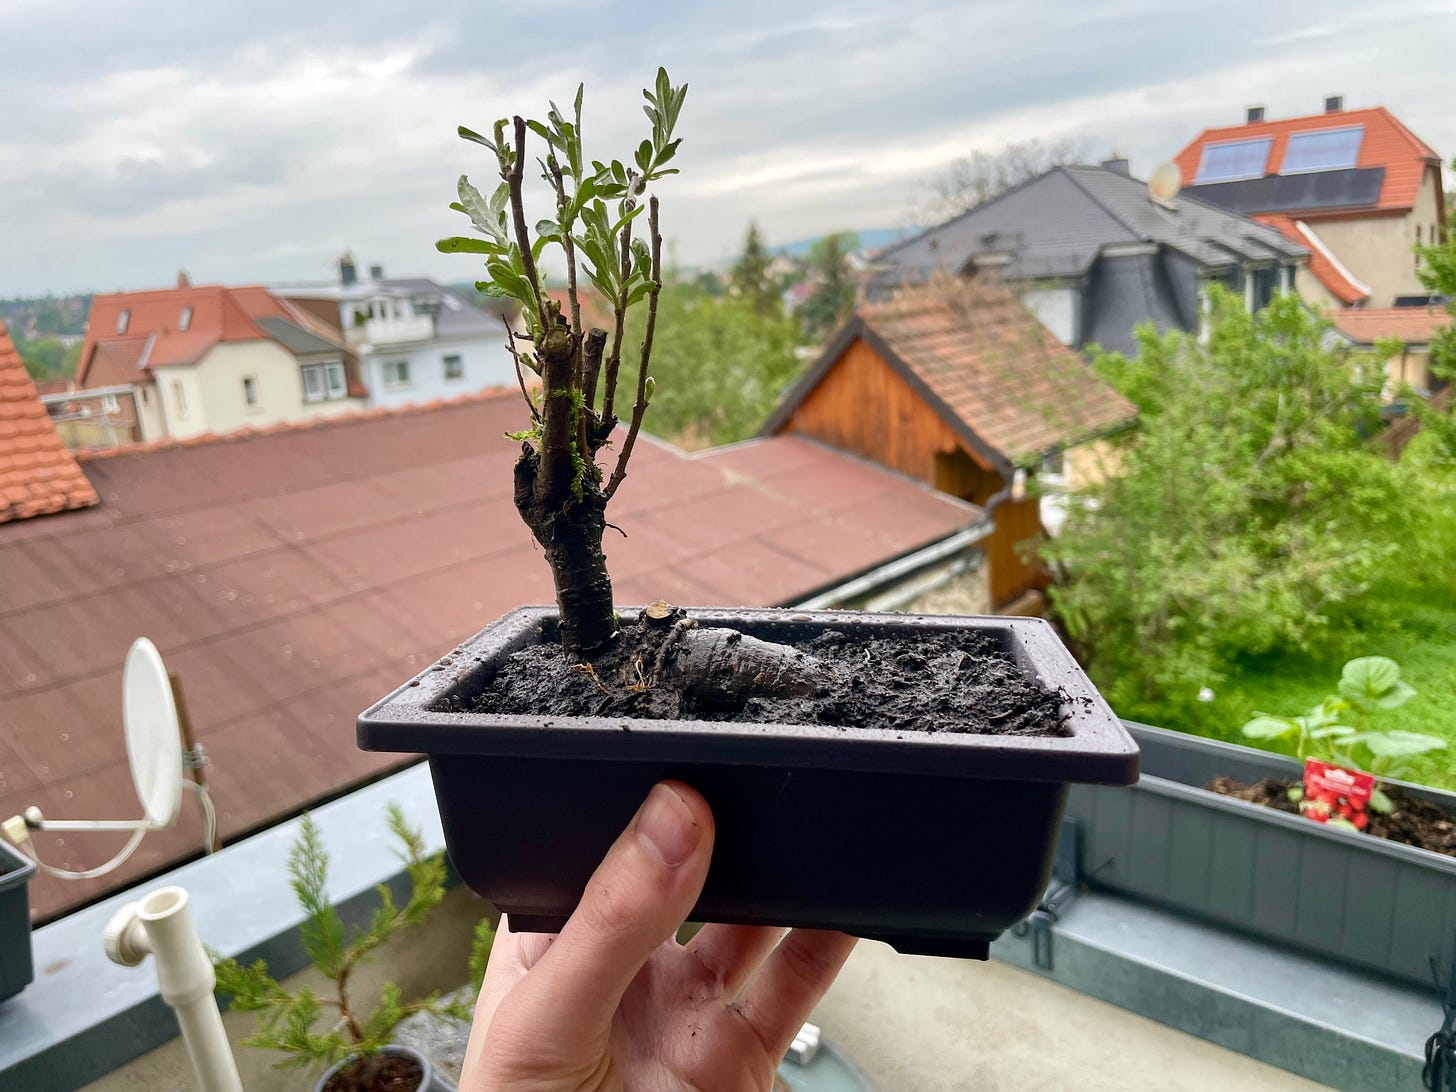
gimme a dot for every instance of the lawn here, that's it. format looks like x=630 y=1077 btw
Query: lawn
x=1425 y=647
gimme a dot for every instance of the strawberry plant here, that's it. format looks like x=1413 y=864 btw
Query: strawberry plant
x=1336 y=734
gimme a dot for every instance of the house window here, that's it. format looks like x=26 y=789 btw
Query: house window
x=186 y=319
x=109 y=404
x=179 y=395
x=396 y=373
x=121 y=321
x=1053 y=468
x=323 y=382
x=1233 y=160
x=250 y=390
x=146 y=396
x=454 y=367
x=1326 y=150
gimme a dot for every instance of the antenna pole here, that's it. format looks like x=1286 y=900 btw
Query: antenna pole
x=189 y=741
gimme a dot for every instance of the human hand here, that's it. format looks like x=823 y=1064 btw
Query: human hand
x=615 y=1002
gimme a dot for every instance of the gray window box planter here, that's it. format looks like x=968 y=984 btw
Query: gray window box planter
x=16 y=967
x=1378 y=905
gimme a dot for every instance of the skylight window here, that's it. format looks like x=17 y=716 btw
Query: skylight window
x=1232 y=161
x=1325 y=150
x=121 y=321
x=186 y=319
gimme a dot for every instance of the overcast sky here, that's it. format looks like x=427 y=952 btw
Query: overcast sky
x=258 y=141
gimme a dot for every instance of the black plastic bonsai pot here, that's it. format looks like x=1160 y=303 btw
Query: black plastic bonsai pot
x=934 y=843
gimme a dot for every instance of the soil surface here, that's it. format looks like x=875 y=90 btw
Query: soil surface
x=1414 y=822
x=377 y=1073
x=929 y=682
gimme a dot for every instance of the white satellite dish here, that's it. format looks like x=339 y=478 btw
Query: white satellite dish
x=153 y=734
x=1165 y=182
x=156 y=756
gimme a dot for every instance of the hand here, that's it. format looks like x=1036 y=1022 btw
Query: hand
x=615 y=1002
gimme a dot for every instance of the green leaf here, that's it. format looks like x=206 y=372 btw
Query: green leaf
x=1369 y=679
x=471 y=134
x=1380 y=803
x=644 y=156
x=1295 y=793
x=1342 y=824
x=481 y=213
x=1335 y=731
x=1264 y=726
x=461 y=244
x=1399 y=744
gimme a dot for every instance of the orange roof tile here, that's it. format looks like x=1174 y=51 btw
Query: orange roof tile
x=1322 y=262
x=38 y=475
x=153 y=337
x=1387 y=144
x=1413 y=325
x=994 y=372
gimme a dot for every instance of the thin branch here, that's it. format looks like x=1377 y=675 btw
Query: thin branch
x=640 y=407
x=593 y=345
x=518 y=215
x=566 y=244
x=619 y=314
x=520 y=376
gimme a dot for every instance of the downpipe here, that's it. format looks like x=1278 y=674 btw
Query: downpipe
x=160 y=925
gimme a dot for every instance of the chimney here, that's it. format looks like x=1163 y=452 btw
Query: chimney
x=376 y=272
x=1118 y=166
x=183 y=280
x=347 y=273
x=1334 y=104
x=1253 y=114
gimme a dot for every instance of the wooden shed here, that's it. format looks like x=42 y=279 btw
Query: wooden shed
x=958 y=385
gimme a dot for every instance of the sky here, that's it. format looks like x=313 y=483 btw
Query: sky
x=259 y=141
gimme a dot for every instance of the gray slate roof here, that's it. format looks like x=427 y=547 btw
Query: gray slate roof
x=296 y=339
x=1058 y=223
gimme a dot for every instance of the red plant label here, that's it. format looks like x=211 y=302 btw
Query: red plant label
x=1333 y=792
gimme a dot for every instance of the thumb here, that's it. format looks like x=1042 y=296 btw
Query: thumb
x=637 y=898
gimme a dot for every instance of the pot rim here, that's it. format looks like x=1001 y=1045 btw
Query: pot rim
x=416 y=717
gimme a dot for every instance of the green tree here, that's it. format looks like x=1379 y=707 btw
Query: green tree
x=833 y=298
x=49 y=358
x=749 y=278
x=1438 y=273
x=1252 y=513
x=719 y=363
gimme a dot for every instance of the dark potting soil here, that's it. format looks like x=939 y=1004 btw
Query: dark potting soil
x=377 y=1073
x=1413 y=822
x=934 y=682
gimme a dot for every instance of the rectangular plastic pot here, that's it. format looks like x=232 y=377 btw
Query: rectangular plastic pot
x=1378 y=905
x=934 y=843
x=16 y=967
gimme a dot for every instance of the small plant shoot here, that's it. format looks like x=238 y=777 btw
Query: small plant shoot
x=596 y=228
x=1336 y=733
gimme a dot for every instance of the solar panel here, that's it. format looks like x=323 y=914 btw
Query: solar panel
x=1233 y=160
x=1326 y=150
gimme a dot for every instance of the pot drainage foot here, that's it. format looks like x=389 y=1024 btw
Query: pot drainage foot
x=536 y=923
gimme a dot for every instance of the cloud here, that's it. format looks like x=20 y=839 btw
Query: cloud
x=257 y=141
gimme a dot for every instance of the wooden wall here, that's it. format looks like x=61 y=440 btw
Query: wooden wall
x=863 y=406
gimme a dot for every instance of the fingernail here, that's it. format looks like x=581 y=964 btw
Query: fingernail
x=666 y=827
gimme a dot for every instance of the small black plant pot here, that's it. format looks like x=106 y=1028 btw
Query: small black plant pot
x=16 y=965
x=430 y=1078
x=935 y=843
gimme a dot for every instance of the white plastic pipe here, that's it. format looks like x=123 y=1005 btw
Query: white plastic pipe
x=161 y=925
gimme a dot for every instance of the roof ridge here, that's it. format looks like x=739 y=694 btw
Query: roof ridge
x=1096 y=201
x=958 y=217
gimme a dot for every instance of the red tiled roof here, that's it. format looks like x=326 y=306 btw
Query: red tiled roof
x=998 y=374
x=38 y=475
x=1413 y=325
x=152 y=337
x=1387 y=143
x=1322 y=262
x=292 y=578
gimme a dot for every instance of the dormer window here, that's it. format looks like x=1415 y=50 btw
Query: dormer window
x=121 y=321
x=186 y=319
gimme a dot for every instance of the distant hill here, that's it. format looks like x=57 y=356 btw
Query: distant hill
x=869 y=239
